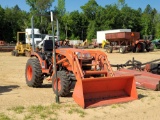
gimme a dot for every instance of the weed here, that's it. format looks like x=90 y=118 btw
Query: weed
x=142 y=100
x=53 y=119
x=36 y=109
x=28 y=117
x=113 y=106
x=152 y=98
x=55 y=106
x=17 y=109
x=4 y=117
x=76 y=110
x=43 y=115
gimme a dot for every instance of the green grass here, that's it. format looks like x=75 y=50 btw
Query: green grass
x=37 y=109
x=78 y=111
x=17 y=109
x=29 y=117
x=152 y=98
x=56 y=106
x=4 y=117
x=114 y=106
x=42 y=112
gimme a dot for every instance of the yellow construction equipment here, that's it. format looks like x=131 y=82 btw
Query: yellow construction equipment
x=21 y=48
x=104 y=43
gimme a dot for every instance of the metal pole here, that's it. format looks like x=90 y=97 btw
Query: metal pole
x=32 y=24
x=57 y=32
x=54 y=62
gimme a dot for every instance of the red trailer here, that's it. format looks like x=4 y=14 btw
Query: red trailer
x=127 y=41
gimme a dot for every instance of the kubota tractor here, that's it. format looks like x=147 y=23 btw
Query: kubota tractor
x=87 y=72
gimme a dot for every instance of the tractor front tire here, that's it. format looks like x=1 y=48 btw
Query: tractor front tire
x=16 y=53
x=109 y=49
x=122 y=49
x=140 y=47
x=33 y=73
x=64 y=84
x=13 y=53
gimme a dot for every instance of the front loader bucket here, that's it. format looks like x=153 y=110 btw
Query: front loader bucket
x=93 y=92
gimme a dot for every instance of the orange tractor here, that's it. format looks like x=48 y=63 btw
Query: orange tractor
x=87 y=72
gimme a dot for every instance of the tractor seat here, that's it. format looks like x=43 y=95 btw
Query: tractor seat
x=48 y=45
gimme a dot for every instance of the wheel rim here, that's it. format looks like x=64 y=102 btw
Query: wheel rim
x=59 y=84
x=138 y=46
x=29 y=73
x=120 y=50
x=108 y=49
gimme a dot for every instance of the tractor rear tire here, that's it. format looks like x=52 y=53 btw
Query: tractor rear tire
x=109 y=49
x=64 y=84
x=33 y=73
x=122 y=49
x=90 y=47
x=150 y=47
x=140 y=47
x=80 y=47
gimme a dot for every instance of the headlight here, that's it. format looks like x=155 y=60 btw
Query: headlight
x=83 y=55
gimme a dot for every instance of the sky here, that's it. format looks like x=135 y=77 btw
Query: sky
x=72 y=5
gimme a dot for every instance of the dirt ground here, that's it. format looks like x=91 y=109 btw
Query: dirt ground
x=14 y=92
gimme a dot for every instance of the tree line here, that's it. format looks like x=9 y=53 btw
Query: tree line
x=79 y=24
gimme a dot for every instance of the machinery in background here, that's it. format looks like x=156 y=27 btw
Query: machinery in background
x=128 y=41
x=37 y=36
x=21 y=47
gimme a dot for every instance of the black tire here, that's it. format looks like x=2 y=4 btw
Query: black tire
x=122 y=49
x=13 y=53
x=134 y=49
x=90 y=47
x=16 y=53
x=140 y=47
x=109 y=49
x=80 y=47
x=150 y=47
x=64 y=84
x=33 y=73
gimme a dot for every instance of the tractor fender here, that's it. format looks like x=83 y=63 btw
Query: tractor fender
x=41 y=60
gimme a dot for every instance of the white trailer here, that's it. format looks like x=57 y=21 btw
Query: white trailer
x=101 y=34
x=37 y=36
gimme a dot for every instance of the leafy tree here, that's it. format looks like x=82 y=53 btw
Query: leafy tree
x=61 y=7
x=90 y=9
x=157 y=25
x=121 y=3
x=40 y=6
x=147 y=19
x=112 y=18
x=130 y=18
x=65 y=26
x=91 y=30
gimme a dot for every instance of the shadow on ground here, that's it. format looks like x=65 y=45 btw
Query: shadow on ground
x=140 y=96
x=9 y=88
